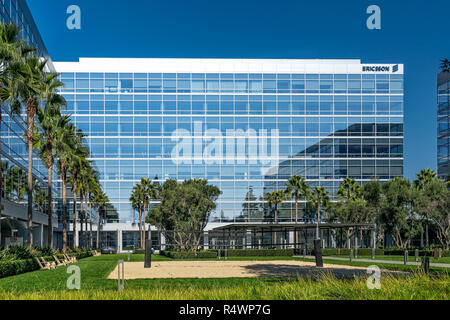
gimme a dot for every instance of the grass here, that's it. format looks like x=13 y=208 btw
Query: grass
x=399 y=258
x=51 y=284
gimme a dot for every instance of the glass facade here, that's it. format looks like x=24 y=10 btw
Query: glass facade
x=443 y=125
x=245 y=132
x=14 y=154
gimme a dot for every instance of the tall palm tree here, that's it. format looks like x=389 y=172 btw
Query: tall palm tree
x=273 y=200
x=26 y=87
x=12 y=50
x=51 y=124
x=78 y=155
x=64 y=145
x=93 y=185
x=319 y=197
x=137 y=202
x=298 y=189
x=100 y=199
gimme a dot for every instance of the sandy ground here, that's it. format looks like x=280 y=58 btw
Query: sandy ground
x=232 y=269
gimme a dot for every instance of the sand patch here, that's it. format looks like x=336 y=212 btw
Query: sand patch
x=232 y=269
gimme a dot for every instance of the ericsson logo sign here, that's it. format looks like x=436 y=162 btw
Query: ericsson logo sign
x=380 y=68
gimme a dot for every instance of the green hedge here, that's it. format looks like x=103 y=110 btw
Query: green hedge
x=189 y=254
x=230 y=253
x=346 y=251
x=411 y=252
x=259 y=252
x=15 y=267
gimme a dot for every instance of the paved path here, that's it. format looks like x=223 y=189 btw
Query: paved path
x=441 y=265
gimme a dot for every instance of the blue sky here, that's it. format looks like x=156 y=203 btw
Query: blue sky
x=413 y=32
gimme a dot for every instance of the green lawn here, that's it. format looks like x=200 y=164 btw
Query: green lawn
x=397 y=258
x=51 y=284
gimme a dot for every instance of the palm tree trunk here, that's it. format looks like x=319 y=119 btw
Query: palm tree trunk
x=81 y=219
x=140 y=226
x=98 y=227
x=318 y=219
x=74 y=191
x=276 y=221
x=86 y=218
x=49 y=207
x=64 y=195
x=296 y=222
x=90 y=223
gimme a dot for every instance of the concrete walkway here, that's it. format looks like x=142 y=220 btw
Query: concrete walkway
x=441 y=265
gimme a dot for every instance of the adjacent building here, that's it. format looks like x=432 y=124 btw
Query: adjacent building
x=443 y=134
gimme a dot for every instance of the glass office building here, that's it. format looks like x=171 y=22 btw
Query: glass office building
x=14 y=154
x=443 y=133
x=245 y=125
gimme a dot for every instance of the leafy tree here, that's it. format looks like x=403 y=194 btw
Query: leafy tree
x=184 y=209
x=434 y=204
x=398 y=214
x=349 y=189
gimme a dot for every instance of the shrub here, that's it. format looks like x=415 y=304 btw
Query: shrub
x=11 y=268
x=346 y=251
x=259 y=252
x=189 y=254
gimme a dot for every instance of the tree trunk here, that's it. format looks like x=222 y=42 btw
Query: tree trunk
x=74 y=191
x=64 y=195
x=90 y=227
x=49 y=207
x=140 y=226
x=318 y=219
x=296 y=222
x=81 y=243
x=30 y=185
x=276 y=221
x=86 y=217
x=98 y=227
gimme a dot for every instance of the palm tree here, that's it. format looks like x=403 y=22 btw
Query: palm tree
x=51 y=124
x=63 y=150
x=297 y=188
x=146 y=186
x=12 y=50
x=273 y=200
x=319 y=197
x=445 y=65
x=424 y=178
x=137 y=202
x=25 y=87
x=92 y=186
x=78 y=155
x=349 y=189
x=100 y=199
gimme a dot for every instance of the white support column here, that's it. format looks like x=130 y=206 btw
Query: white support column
x=205 y=240
x=291 y=239
x=42 y=235
x=119 y=240
x=248 y=242
x=163 y=241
